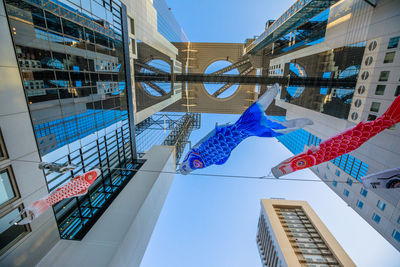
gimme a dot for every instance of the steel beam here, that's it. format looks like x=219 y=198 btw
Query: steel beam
x=248 y=79
x=179 y=136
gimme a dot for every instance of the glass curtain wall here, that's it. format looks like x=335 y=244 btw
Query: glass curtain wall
x=71 y=59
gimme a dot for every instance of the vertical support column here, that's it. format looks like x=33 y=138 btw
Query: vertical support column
x=129 y=89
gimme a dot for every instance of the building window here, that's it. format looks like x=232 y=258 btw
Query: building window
x=327 y=166
x=133 y=46
x=393 y=42
x=381 y=205
x=349 y=181
x=375 y=106
x=361 y=89
x=371 y=117
x=396 y=235
x=132 y=26
x=3 y=153
x=346 y=192
x=354 y=116
x=358 y=103
x=334 y=183
x=376 y=218
x=326 y=177
x=337 y=172
x=10 y=233
x=365 y=75
x=380 y=89
x=389 y=57
x=372 y=46
x=360 y=204
x=384 y=76
x=368 y=61
x=7 y=187
x=397 y=91
x=363 y=192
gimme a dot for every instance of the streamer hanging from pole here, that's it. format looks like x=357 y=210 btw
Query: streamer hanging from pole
x=385 y=179
x=77 y=186
x=343 y=143
x=216 y=147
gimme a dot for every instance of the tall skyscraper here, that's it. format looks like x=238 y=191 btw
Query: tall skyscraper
x=68 y=95
x=350 y=39
x=291 y=234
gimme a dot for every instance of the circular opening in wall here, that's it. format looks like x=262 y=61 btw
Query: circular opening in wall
x=358 y=103
x=157 y=89
x=368 y=61
x=361 y=89
x=354 y=116
x=365 y=75
x=372 y=46
x=221 y=90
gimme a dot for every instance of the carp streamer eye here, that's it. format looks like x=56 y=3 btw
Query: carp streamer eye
x=197 y=164
x=301 y=163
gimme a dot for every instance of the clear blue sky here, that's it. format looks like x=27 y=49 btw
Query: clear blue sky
x=209 y=221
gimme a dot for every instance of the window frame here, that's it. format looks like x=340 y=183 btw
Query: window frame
x=346 y=193
x=381 y=205
x=27 y=228
x=386 y=60
x=360 y=204
x=396 y=233
x=13 y=186
x=376 y=218
x=380 y=89
x=396 y=39
x=362 y=192
x=382 y=78
x=3 y=149
x=375 y=106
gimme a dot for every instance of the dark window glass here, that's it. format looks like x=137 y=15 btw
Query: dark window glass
x=371 y=117
x=375 y=106
x=3 y=153
x=397 y=91
x=384 y=76
x=393 y=42
x=389 y=57
x=9 y=234
x=53 y=22
x=73 y=29
x=6 y=187
x=380 y=89
x=132 y=26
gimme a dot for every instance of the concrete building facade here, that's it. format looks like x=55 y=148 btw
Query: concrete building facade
x=291 y=234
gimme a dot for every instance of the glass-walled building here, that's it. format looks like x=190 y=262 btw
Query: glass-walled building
x=71 y=58
x=167 y=24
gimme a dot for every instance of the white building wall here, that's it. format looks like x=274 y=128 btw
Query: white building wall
x=21 y=146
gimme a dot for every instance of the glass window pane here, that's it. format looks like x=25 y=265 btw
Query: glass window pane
x=389 y=57
x=393 y=42
x=375 y=106
x=397 y=91
x=384 y=76
x=8 y=233
x=6 y=190
x=380 y=89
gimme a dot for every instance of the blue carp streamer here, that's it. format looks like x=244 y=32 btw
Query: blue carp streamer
x=216 y=147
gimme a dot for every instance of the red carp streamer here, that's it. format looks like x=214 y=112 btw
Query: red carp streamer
x=340 y=144
x=76 y=187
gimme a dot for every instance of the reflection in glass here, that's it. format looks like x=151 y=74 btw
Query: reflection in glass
x=6 y=190
x=340 y=63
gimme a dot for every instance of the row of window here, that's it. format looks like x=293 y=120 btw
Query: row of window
x=9 y=194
